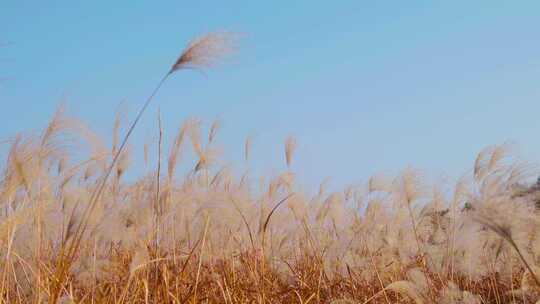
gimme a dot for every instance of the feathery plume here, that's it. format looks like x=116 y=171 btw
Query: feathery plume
x=216 y=125
x=247 y=147
x=499 y=152
x=290 y=147
x=175 y=149
x=206 y=51
x=505 y=232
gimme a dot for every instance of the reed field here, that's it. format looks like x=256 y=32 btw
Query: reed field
x=74 y=228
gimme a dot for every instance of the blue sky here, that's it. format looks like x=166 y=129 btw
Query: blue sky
x=365 y=86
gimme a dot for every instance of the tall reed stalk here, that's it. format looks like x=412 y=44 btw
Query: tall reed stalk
x=201 y=53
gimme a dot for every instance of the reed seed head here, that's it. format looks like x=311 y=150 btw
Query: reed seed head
x=206 y=51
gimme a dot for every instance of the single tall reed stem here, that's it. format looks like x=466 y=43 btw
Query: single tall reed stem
x=199 y=54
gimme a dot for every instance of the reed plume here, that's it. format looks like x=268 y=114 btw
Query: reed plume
x=290 y=147
x=206 y=51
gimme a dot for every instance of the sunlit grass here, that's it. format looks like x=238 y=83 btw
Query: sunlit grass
x=226 y=239
x=73 y=229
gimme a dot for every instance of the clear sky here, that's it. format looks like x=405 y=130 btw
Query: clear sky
x=365 y=86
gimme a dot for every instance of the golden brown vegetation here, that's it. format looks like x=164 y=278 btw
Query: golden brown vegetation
x=210 y=237
x=73 y=229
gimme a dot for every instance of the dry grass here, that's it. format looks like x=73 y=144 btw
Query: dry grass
x=223 y=241
x=73 y=232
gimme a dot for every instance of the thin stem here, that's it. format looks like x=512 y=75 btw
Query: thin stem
x=65 y=261
x=96 y=194
x=158 y=177
x=535 y=278
x=157 y=207
x=201 y=257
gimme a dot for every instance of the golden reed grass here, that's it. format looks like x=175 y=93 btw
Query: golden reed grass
x=73 y=232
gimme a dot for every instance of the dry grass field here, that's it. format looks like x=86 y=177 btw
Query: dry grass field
x=75 y=229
